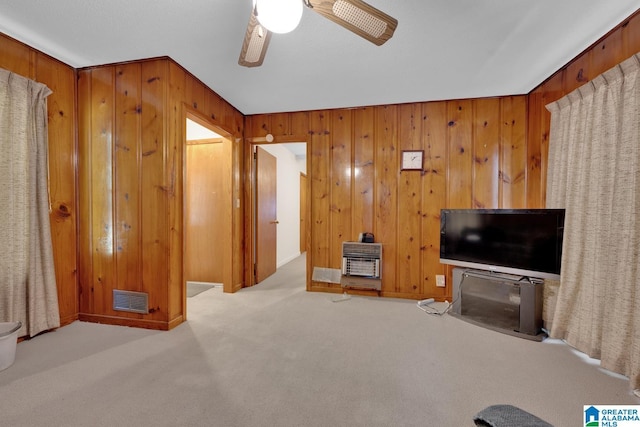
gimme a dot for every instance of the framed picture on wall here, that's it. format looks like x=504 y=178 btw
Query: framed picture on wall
x=412 y=160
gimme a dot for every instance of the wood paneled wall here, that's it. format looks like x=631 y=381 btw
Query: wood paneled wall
x=619 y=44
x=131 y=185
x=487 y=153
x=479 y=153
x=61 y=79
x=475 y=156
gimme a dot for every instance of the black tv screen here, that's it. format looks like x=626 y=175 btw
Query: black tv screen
x=525 y=242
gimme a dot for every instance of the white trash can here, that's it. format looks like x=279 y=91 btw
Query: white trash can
x=8 y=343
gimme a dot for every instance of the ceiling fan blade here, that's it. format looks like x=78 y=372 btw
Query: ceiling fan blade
x=254 y=46
x=358 y=17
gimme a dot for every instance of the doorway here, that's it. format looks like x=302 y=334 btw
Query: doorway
x=207 y=211
x=289 y=203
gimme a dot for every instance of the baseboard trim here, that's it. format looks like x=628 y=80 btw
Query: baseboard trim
x=136 y=323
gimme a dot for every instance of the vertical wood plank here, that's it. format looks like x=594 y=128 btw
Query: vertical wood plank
x=513 y=153
x=216 y=109
x=17 y=57
x=386 y=192
x=258 y=125
x=486 y=153
x=320 y=190
x=128 y=107
x=85 y=240
x=280 y=124
x=434 y=190
x=239 y=245
x=194 y=93
x=226 y=209
x=153 y=187
x=408 y=280
x=631 y=36
x=578 y=72
x=364 y=171
x=232 y=120
x=341 y=179
x=62 y=123
x=535 y=132
x=171 y=194
x=460 y=184
x=101 y=188
x=237 y=130
x=607 y=53
x=299 y=123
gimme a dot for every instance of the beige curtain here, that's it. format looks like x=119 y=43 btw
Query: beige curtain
x=594 y=173
x=27 y=280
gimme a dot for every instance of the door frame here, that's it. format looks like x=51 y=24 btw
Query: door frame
x=304 y=207
x=249 y=200
x=227 y=214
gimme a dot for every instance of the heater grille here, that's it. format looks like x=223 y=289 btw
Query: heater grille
x=361 y=250
x=361 y=259
x=366 y=267
x=133 y=302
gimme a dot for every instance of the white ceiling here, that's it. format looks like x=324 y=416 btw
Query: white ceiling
x=442 y=49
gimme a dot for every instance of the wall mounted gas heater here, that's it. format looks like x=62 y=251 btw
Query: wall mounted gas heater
x=361 y=265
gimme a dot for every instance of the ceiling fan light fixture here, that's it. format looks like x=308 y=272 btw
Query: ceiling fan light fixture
x=357 y=16
x=279 y=16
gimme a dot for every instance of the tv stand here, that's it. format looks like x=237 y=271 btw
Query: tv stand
x=505 y=303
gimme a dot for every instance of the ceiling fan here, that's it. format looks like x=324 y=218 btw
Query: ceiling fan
x=354 y=15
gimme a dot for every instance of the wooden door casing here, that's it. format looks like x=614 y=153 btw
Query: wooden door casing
x=304 y=222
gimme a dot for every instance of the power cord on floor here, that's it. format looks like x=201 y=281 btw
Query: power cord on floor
x=425 y=305
x=344 y=297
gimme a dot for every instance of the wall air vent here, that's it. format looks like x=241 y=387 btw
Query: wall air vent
x=133 y=302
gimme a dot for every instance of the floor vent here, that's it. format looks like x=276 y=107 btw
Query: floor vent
x=133 y=302
x=328 y=275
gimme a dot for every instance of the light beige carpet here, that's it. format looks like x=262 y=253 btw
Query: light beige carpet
x=276 y=355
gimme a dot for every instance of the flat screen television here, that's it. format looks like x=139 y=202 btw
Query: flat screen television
x=526 y=242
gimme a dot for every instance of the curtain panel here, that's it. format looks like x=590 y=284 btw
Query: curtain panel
x=594 y=173
x=28 y=290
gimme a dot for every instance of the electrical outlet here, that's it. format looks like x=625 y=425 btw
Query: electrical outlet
x=440 y=280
